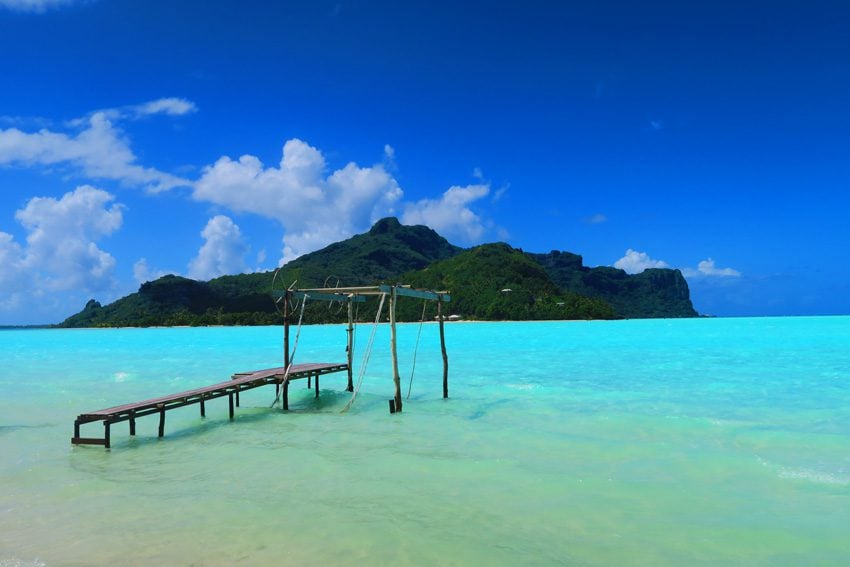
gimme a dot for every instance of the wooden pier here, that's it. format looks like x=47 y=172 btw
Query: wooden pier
x=281 y=376
x=240 y=382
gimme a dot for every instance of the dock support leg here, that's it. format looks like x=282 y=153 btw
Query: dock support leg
x=230 y=403
x=309 y=383
x=237 y=398
x=286 y=395
x=349 y=348
x=132 y=424
x=106 y=434
x=162 y=421
x=394 y=352
x=443 y=348
x=76 y=429
x=317 y=385
x=203 y=408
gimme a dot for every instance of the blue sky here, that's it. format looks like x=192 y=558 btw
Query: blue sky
x=203 y=138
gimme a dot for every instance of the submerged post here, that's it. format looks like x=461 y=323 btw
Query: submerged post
x=349 y=349
x=396 y=378
x=443 y=347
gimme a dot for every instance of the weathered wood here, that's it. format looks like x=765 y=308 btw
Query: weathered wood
x=230 y=404
x=394 y=350
x=241 y=381
x=349 y=347
x=317 y=385
x=443 y=349
x=106 y=434
x=417 y=293
x=286 y=297
x=237 y=396
x=286 y=395
x=325 y=296
x=88 y=441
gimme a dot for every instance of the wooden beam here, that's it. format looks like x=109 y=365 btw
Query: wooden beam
x=417 y=293
x=325 y=296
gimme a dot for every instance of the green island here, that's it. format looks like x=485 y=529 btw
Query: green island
x=491 y=282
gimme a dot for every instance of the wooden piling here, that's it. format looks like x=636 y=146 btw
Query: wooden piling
x=161 y=420
x=394 y=350
x=203 y=406
x=230 y=404
x=285 y=395
x=106 y=434
x=317 y=385
x=349 y=349
x=443 y=348
x=286 y=297
x=132 y=424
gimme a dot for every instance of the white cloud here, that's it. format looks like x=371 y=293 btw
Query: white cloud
x=169 y=106
x=143 y=273
x=450 y=215
x=223 y=251
x=314 y=209
x=61 y=251
x=36 y=6
x=707 y=268
x=598 y=218
x=635 y=262
x=98 y=149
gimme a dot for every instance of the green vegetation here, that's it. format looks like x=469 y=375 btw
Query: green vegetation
x=489 y=282
x=652 y=293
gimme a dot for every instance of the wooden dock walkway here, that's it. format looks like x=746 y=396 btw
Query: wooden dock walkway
x=240 y=382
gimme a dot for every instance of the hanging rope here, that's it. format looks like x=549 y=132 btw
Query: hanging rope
x=292 y=354
x=366 y=354
x=416 y=348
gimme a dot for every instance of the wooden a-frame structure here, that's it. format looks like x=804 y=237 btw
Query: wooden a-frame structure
x=351 y=295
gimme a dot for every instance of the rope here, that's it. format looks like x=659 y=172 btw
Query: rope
x=292 y=354
x=366 y=353
x=416 y=348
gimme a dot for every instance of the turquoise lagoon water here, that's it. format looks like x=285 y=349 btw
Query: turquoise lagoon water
x=667 y=442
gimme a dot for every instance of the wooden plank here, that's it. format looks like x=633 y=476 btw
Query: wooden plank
x=87 y=441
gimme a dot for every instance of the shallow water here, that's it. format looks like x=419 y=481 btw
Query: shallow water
x=643 y=442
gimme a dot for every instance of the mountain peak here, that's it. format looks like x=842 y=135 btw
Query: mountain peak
x=385 y=225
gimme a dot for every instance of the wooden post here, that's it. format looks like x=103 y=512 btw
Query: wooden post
x=161 y=420
x=106 y=434
x=349 y=349
x=76 y=428
x=203 y=407
x=309 y=381
x=286 y=395
x=394 y=351
x=132 y=423
x=237 y=396
x=443 y=348
x=230 y=404
x=317 y=385
x=287 y=294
